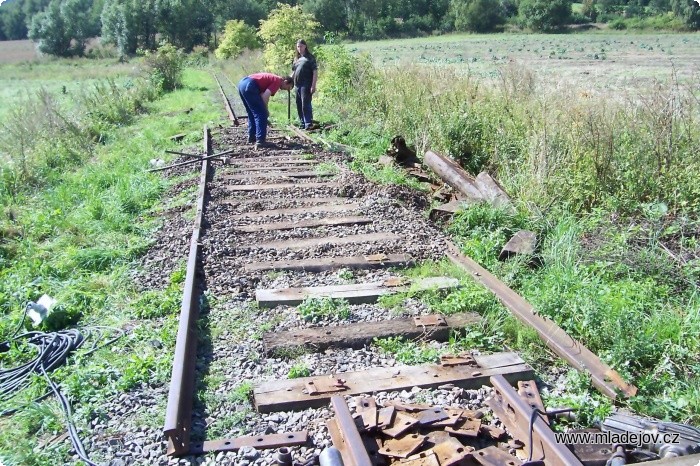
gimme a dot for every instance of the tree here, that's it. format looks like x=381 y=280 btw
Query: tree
x=130 y=24
x=14 y=21
x=688 y=11
x=545 y=15
x=60 y=29
x=588 y=9
x=332 y=16
x=478 y=15
x=237 y=37
x=279 y=34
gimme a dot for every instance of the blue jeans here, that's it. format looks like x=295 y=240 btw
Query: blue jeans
x=255 y=107
x=304 y=105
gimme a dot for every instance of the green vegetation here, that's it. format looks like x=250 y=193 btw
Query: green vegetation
x=78 y=210
x=298 y=370
x=315 y=309
x=607 y=184
x=279 y=33
x=237 y=37
x=409 y=352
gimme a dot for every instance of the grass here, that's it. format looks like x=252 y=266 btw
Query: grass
x=316 y=309
x=79 y=235
x=599 y=169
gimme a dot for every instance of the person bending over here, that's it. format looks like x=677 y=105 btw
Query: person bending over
x=255 y=91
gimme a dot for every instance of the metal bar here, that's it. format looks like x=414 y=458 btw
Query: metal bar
x=261 y=442
x=198 y=156
x=357 y=453
x=515 y=413
x=607 y=380
x=227 y=103
x=190 y=162
x=178 y=416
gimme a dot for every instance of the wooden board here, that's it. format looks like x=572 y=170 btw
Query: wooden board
x=299 y=201
x=278 y=174
x=328 y=207
x=276 y=186
x=268 y=159
x=359 y=293
x=281 y=166
x=288 y=395
x=334 y=240
x=316 y=222
x=331 y=263
x=360 y=334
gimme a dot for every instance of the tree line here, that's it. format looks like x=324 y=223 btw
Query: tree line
x=62 y=27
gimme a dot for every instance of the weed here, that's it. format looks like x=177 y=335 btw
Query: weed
x=327 y=168
x=315 y=309
x=298 y=370
x=346 y=274
x=408 y=352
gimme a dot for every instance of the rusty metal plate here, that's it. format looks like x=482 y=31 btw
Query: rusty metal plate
x=426 y=458
x=385 y=416
x=402 y=447
x=395 y=281
x=592 y=455
x=451 y=452
x=408 y=407
x=448 y=360
x=492 y=432
x=431 y=320
x=453 y=416
x=467 y=427
x=430 y=416
x=401 y=424
x=492 y=456
x=369 y=418
x=376 y=257
x=261 y=442
x=325 y=385
x=363 y=403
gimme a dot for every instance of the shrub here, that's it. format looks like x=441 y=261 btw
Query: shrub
x=237 y=37
x=164 y=67
x=280 y=31
x=545 y=15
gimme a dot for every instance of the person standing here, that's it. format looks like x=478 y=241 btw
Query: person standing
x=305 y=73
x=255 y=91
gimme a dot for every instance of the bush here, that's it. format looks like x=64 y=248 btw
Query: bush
x=618 y=24
x=237 y=37
x=545 y=15
x=280 y=31
x=164 y=67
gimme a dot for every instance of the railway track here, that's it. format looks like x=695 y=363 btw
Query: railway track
x=289 y=256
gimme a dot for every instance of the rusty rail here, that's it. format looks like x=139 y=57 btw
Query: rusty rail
x=178 y=416
x=356 y=452
x=605 y=379
x=515 y=413
x=227 y=103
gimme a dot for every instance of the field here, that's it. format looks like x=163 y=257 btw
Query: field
x=15 y=51
x=602 y=61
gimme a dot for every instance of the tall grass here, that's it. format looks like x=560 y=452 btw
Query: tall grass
x=608 y=183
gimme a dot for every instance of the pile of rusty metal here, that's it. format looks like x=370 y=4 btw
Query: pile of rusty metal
x=418 y=435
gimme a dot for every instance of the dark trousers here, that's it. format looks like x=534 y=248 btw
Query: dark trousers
x=304 y=105
x=255 y=107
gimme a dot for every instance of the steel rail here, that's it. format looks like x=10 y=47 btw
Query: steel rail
x=515 y=413
x=229 y=108
x=356 y=450
x=604 y=378
x=178 y=416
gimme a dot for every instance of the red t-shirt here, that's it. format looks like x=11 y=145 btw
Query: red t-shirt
x=267 y=81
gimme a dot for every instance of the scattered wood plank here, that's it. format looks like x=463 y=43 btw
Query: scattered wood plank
x=278 y=174
x=360 y=334
x=269 y=168
x=298 y=201
x=277 y=186
x=328 y=207
x=267 y=159
x=523 y=242
x=281 y=164
x=359 y=293
x=288 y=395
x=297 y=244
x=315 y=222
x=333 y=263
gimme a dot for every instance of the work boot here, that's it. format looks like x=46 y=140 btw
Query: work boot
x=312 y=126
x=263 y=145
x=251 y=140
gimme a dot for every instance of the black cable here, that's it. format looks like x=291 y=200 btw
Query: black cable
x=53 y=350
x=533 y=415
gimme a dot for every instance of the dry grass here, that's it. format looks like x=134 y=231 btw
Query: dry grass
x=16 y=51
